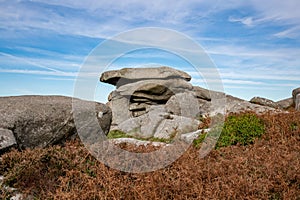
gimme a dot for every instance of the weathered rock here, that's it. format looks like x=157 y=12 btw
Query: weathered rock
x=39 y=121
x=154 y=90
x=129 y=75
x=183 y=104
x=119 y=106
x=190 y=137
x=232 y=105
x=139 y=106
x=158 y=123
x=264 y=102
x=7 y=140
x=296 y=98
x=144 y=126
x=133 y=100
x=235 y=105
x=139 y=109
x=208 y=95
x=285 y=103
x=177 y=102
x=175 y=126
x=202 y=93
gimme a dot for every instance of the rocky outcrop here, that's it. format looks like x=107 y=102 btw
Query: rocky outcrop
x=140 y=88
x=145 y=102
x=228 y=103
x=282 y=104
x=160 y=102
x=39 y=121
x=296 y=98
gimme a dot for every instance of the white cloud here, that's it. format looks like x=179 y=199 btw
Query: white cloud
x=102 y=19
x=248 y=21
x=28 y=61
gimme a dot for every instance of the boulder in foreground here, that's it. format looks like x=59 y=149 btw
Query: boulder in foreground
x=40 y=121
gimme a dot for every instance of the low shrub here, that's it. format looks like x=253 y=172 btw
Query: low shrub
x=237 y=129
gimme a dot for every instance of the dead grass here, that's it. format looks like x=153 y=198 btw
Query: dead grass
x=268 y=169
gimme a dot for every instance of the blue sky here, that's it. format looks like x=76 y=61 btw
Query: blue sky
x=255 y=45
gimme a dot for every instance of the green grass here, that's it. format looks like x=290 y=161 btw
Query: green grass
x=117 y=134
x=114 y=134
x=238 y=129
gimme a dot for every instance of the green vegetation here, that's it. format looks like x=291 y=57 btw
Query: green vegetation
x=117 y=134
x=154 y=139
x=294 y=126
x=238 y=129
x=114 y=134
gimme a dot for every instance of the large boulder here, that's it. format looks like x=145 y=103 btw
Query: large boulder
x=202 y=93
x=39 y=121
x=285 y=103
x=145 y=125
x=128 y=75
x=7 y=140
x=183 y=104
x=208 y=95
x=264 y=102
x=119 y=105
x=175 y=125
x=296 y=98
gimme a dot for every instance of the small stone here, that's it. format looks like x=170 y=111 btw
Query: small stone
x=7 y=139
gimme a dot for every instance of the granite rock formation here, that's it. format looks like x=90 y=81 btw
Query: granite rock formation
x=39 y=121
x=160 y=102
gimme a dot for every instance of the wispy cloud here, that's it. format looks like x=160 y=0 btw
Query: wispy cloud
x=248 y=21
x=24 y=60
x=292 y=33
x=37 y=72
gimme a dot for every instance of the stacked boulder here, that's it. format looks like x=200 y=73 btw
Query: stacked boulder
x=161 y=103
x=145 y=102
